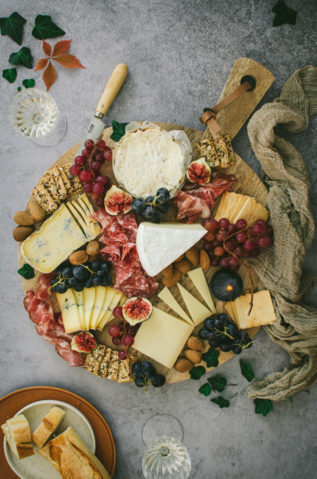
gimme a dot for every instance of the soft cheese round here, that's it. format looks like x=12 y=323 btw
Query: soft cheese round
x=148 y=159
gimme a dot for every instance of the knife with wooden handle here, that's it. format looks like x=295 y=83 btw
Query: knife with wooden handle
x=111 y=90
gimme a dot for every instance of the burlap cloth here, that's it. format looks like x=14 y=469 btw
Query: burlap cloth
x=280 y=267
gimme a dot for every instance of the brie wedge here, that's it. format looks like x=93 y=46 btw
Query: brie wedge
x=159 y=245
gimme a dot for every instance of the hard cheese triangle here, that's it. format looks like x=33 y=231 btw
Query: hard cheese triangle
x=196 y=309
x=166 y=296
x=198 y=278
x=159 y=245
x=69 y=308
x=262 y=311
x=162 y=337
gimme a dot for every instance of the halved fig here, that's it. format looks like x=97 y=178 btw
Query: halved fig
x=118 y=201
x=83 y=342
x=199 y=172
x=136 y=310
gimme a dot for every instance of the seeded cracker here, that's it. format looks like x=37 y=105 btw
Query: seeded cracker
x=93 y=359
x=104 y=366
x=44 y=198
x=62 y=192
x=49 y=183
x=222 y=152
x=232 y=158
x=207 y=150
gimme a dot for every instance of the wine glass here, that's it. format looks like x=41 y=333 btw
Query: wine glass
x=34 y=114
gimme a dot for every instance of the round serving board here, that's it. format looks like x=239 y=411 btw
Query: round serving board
x=247 y=183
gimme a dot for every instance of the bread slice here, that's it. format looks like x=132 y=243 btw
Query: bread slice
x=18 y=434
x=71 y=457
x=48 y=425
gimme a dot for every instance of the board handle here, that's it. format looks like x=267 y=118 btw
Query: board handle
x=112 y=88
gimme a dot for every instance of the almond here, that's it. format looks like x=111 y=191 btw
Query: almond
x=179 y=258
x=23 y=218
x=195 y=343
x=78 y=257
x=182 y=365
x=171 y=280
x=20 y=233
x=192 y=355
x=183 y=266
x=92 y=248
x=193 y=255
x=36 y=211
x=168 y=271
x=204 y=260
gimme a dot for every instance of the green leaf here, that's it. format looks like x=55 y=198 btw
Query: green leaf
x=13 y=27
x=197 y=372
x=19 y=88
x=26 y=271
x=28 y=83
x=246 y=370
x=46 y=28
x=211 y=358
x=22 y=57
x=221 y=401
x=284 y=14
x=10 y=74
x=118 y=130
x=218 y=382
x=205 y=389
x=263 y=406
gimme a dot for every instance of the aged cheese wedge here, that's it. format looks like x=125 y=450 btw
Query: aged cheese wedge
x=166 y=296
x=69 y=308
x=108 y=314
x=234 y=206
x=105 y=307
x=159 y=245
x=196 y=309
x=89 y=301
x=100 y=294
x=262 y=311
x=85 y=209
x=79 y=296
x=162 y=337
x=198 y=278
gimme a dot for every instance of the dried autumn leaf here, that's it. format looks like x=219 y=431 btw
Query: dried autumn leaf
x=41 y=64
x=49 y=76
x=69 y=61
x=61 y=48
x=47 y=49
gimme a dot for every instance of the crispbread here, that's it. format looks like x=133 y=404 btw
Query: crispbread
x=222 y=151
x=57 y=175
x=109 y=365
x=207 y=150
x=232 y=158
x=94 y=358
x=44 y=198
x=48 y=181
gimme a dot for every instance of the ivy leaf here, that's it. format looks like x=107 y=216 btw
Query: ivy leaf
x=284 y=14
x=221 y=401
x=13 y=27
x=197 y=372
x=263 y=406
x=211 y=356
x=26 y=271
x=46 y=28
x=205 y=389
x=49 y=76
x=118 y=130
x=22 y=57
x=28 y=83
x=246 y=370
x=218 y=382
x=10 y=74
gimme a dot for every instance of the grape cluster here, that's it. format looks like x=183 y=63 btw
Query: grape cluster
x=228 y=243
x=153 y=207
x=87 y=166
x=88 y=275
x=223 y=334
x=145 y=373
x=123 y=333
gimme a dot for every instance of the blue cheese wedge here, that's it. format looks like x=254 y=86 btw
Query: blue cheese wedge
x=69 y=309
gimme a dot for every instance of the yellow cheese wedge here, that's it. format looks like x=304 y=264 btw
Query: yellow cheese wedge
x=114 y=301
x=166 y=296
x=68 y=306
x=262 y=311
x=198 y=279
x=85 y=209
x=100 y=294
x=79 y=295
x=196 y=309
x=162 y=337
x=89 y=301
x=234 y=206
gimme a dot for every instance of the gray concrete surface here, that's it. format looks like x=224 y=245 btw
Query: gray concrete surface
x=179 y=54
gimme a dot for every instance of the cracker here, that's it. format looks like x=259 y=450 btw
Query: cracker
x=44 y=199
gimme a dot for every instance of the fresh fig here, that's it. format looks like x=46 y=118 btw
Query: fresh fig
x=83 y=342
x=117 y=201
x=199 y=172
x=136 y=310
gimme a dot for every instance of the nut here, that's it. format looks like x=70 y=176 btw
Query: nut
x=204 y=260
x=195 y=343
x=192 y=355
x=168 y=271
x=179 y=258
x=92 y=248
x=36 y=211
x=193 y=255
x=78 y=257
x=171 y=280
x=20 y=233
x=23 y=218
x=183 y=266
x=182 y=365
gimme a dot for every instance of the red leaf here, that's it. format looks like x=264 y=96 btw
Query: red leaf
x=41 y=64
x=69 y=61
x=49 y=76
x=47 y=49
x=61 y=48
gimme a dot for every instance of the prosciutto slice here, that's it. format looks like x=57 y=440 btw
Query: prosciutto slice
x=49 y=325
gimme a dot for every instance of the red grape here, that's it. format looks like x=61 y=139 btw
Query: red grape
x=74 y=170
x=238 y=251
x=100 y=201
x=99 y=157
x=219 y=251
x=117 y=312
x=101 y=144
x=241 y=224
x=102 y=179
x=259 y=228
x=211 y=225
x=224 y=223
x=210 y=236
x=232 y=229
x=233 y=261
x=89 y=144
x=230 y=244
x=249 y=245
x=98 y=188
x=96 y=165
x=241 y=237
x=116 y=341
x=264 y=242
x=85 y=153
x=122 y=324
x=114 y=331
x=128 y=340
x=107 y=154
x=85 y=176
x=260 y=222
x=224 y=262
x=216 y=243
x=208 y=245
x=94 y=196
x=123 y=355
x=80 y=160
x=88 y=188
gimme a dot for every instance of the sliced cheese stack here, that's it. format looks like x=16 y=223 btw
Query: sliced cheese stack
x=90 y=308
x=262 y=311
x=234 y=207
x=196 y=309
x=66 y=230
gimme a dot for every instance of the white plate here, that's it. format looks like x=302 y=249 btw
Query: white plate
x=36 y=467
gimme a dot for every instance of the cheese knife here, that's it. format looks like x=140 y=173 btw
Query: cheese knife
x=111 y=90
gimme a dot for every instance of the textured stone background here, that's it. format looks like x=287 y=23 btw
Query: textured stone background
x=179 y=54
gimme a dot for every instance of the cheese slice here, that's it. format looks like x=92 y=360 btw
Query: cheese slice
x=69 y=308
x=262 y=311
x=162 y=337
x=198 y=278
x=116 y=296
x=79 y=295
x=100 y=294
x=166 y=296
x=84 y=208
x=196 y=309
x=234 y=207
x=159 y=245
x=89 y=301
